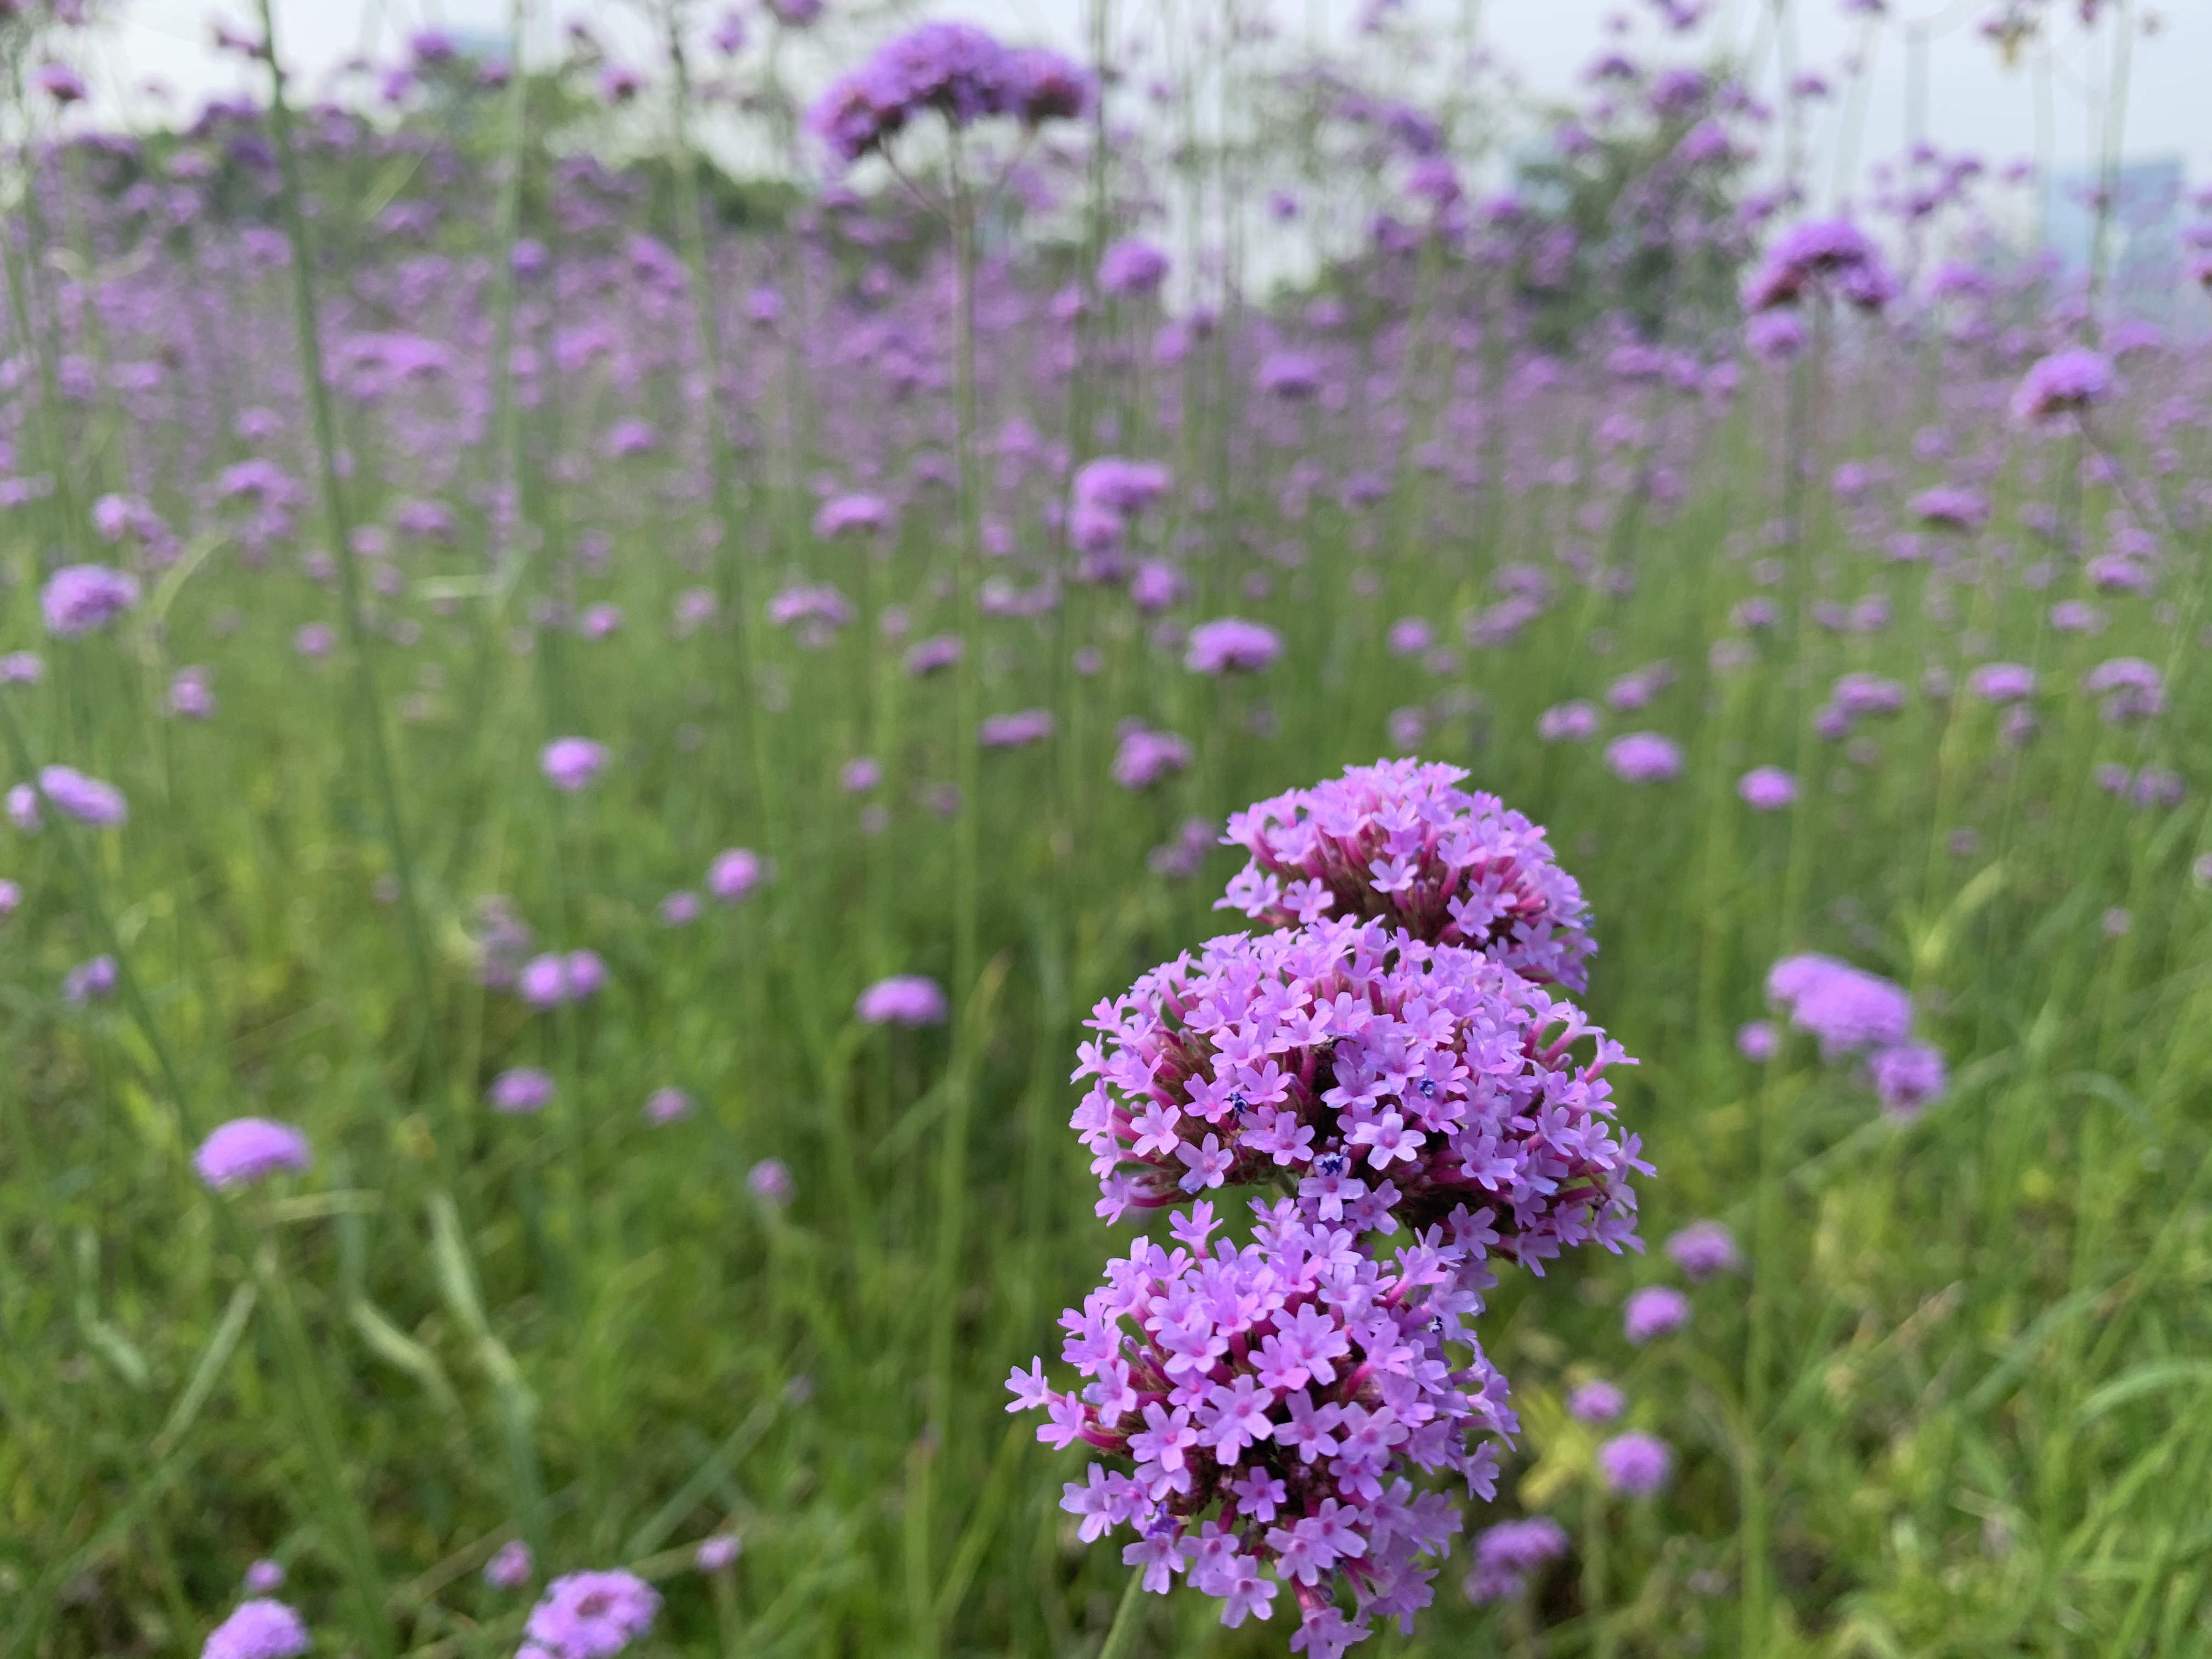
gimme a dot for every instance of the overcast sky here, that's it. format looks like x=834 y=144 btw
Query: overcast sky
x=1971 y=100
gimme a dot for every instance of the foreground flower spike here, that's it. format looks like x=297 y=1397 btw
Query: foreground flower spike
x=259 y=1629
x=247 y=1150
x=590 y=1615
x=1279 y=1401
x=1390 y=1079
x=1400 y=843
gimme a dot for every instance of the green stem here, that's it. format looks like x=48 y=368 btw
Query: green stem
x=1128 y=1620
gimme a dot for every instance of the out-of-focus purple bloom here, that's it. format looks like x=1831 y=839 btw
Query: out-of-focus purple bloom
x=1505 y=1555
x=61 y=83
x=1230 y=643
x=1758 y=1042
x=716 y=1555
x=11 y=898
x=1767 y=788
x=314 y=641
x=1568 y=722
x=511 y=1567
x=89 y=981
x=259 y=1629
x=600 y=620
x=75 y=796
x=860 y=775
x=933 y=654
x=1654 y=1311
x=1144 y=757
x=1016 y=731
x=667 y=1106
x=1409 y=636
x=902 y=999
x=1847 y=1008
x=1906 y=1077
x=1597 y=1401
x=2065 y=383
x=592 y=1615
x=1635 y=1465
x=1644 y=757
x=1703 y=1248
x=247 y=1150
x=954 y=70
x=1131 y=268
x=265 y=1576
x=82 y=598
x=1774 y=337
x=1121 y=487
x=2002 y=682
x=734 y=874
x=521 y=1091
x=192 y=695
x=572 y=763
x=1829 y=250
x=1951 y=507
x=769 y=1181
x=680 y=909
x=1293 y=376
x=2132 y=689
x=21 y=668
x=729 y=35
x=548 y=980
x=851 y=515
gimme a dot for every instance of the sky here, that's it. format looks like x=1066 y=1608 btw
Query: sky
x=2049 y=104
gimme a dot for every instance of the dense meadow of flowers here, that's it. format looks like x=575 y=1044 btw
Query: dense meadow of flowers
x=1555 y=888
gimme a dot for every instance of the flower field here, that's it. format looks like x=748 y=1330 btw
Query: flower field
x=1554 y=876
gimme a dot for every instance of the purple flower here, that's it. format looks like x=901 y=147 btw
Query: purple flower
x=11 y=898
x=2064 y=383
x=1834 y=252
x=510 y=1568
x=263 y=1577
x=1400 y=843
x=1597 y=1401
x=955 y=70
x=1654 y=1311
x=680 y=909
x=1131 y=268
x=259 y=1629
x=1635 y=1465
x=592 y=1615
x=1293 y=376
x=1644 y=757
x=600 y=620
x=521 y=1091
x=2002 y=682
x=86 y=799
x=1848 y=1009
x=930 y=656
x=816 y=610
x=860 y=775
x=549 y=980
x=1767 y=788
x=571 y=764
x=247 y=1150
x=61 y=83
x=1143 y=759
x=734 y=874
x=89 y=981
x=1016 y=731
x=1568 y=722
x=1906 y=1077
x=1230 y=643
x=1703 y=1248
x=21 y=668
x=1951 y=507
x=901 y=1000
x=716 y=1555
x=769 y=1181
x=1121 y=488
x=665 y=1106
x=83 y=598
x=851 y=515
x=1505 y=1555
x=314 y=641
x=191 y=696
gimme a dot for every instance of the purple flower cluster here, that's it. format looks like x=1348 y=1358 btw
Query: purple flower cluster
x=259 y=1629
x=1399 y=842
x=1507 y=1554
x=955 y=70
x=1230 y=643
x=1394 y=1069
x=589 y=1615
x=1853 y=1012
x=247 y=1150
x=2064 y=383
x=83 y=598
x=1830 y=253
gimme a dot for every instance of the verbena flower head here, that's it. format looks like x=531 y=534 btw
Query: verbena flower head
x=1016 y=731
x=592 y=1615
x=1132 y=267
x=1400 y=843
x=769 y=1181
x=259 y=1629
x=1847 y=1008
x=2064 y=383
x=1767 y=788
x=1143 y=758
x=1390 y=1079
x=1906 y=1077
x=265 y=1576
x=1230 y=643
x=1124 y=488
x=521 y=1091
x=1703 y=1248
x=1635 y=1465
x=86 y=799
x=1644 y=757
x=667 y=1105
x=89 y=981
x=954 y=70
x=247 y=1150
x=1830 y=253
x=734 y=874
x=511 y=1567
x=1505 y=1556
x=571 y=764
x=83 y=598
x=1279 y=1402
x=902 y=999
x=2002 y=682
x=1568 y=722
x=851 y=515
x=548 y=980
x=716 y=1555
x=1654 y=1311
x=1597 y=1401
